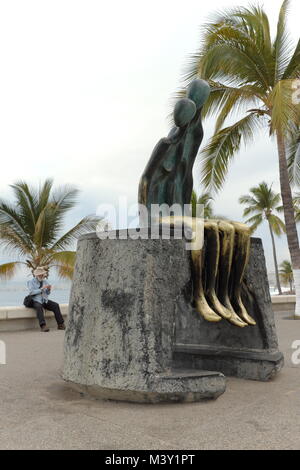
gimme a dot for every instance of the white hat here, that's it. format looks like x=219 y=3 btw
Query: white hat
x=39 y=271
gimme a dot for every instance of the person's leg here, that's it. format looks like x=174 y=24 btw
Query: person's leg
x=38 y=307
x=54 y=307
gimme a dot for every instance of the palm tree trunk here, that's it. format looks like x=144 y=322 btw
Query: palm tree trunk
x=289 y=217
x=275 y=260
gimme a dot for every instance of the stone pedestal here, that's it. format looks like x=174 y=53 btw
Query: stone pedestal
x=121 y=332
x=133 y=334
x=250 y=352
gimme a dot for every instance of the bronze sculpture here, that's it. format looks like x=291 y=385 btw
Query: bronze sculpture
x=219 y=266
x=168 y=177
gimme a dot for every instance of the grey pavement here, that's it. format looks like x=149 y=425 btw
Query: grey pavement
x=39 y=411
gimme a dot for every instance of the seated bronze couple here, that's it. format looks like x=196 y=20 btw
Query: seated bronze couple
x=218 y=267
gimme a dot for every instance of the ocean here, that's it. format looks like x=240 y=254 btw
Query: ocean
x=12 y=293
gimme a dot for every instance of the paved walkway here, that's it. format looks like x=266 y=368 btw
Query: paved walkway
x=38 y=411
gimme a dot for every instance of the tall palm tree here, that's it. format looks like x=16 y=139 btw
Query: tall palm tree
x=261 y=203
x=296 y=204
x=296 y=201
x=251 y=73
x=286 y=273
x=31 y=228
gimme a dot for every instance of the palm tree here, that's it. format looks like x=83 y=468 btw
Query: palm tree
x=261 y=203
x=286 y=274
x=31 y=226
x=296 y=201
x=296 y=204
x=204 y=199
x=251 y=73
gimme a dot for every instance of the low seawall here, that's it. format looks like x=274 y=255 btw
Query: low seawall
x=284 y=303
x=22 y=318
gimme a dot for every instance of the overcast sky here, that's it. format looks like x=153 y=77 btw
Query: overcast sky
x=85 y=93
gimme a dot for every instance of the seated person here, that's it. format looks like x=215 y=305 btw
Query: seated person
x=40 y=289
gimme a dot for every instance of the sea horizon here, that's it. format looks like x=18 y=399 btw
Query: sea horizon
x=12 y=292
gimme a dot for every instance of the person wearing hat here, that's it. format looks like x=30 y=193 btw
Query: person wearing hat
x=40 y=289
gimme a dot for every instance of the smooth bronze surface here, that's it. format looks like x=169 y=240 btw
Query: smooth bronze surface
x=219 y=265
x=168 y=178
x=218 y=268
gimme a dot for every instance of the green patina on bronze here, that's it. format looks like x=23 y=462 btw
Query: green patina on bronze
x=168 y=177
x=219 y=267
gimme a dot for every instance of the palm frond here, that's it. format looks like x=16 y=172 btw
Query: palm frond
x=64 y=271
x=44 y=194
x=293 y=157
x=222 y=147
x=8 y=270
x=64 y=263
x=277 y=225
x=194 y=203
x=293 y=68
x=246 y=199
x=282 y=47
x=64 y=257
x=284 y=113
x=255 y=221
x=26 y=201
x=10 y=218
x=236 y=100
x=286 y=267
x=266 y=198
x=234 y=43
x=261 y=202
x=65 y=198
x=87 y=224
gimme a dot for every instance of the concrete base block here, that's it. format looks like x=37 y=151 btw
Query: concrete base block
x=121 y=333
x=133 y=333
x=250 y=352
x=252 y=365
x=177 y=386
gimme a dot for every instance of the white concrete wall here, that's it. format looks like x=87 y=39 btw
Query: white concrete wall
x=284 y=303
x=22 y=318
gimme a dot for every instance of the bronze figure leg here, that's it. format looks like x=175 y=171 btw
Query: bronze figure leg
x=212 y=257
x=201 y=304
x=227 y=237
x=239 y=263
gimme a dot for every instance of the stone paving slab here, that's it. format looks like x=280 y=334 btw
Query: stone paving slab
x=39 y=411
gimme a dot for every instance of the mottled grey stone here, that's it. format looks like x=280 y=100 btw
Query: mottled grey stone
x=183 y=386
x=134 y=335
x=250 y=352
x=121 y=329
